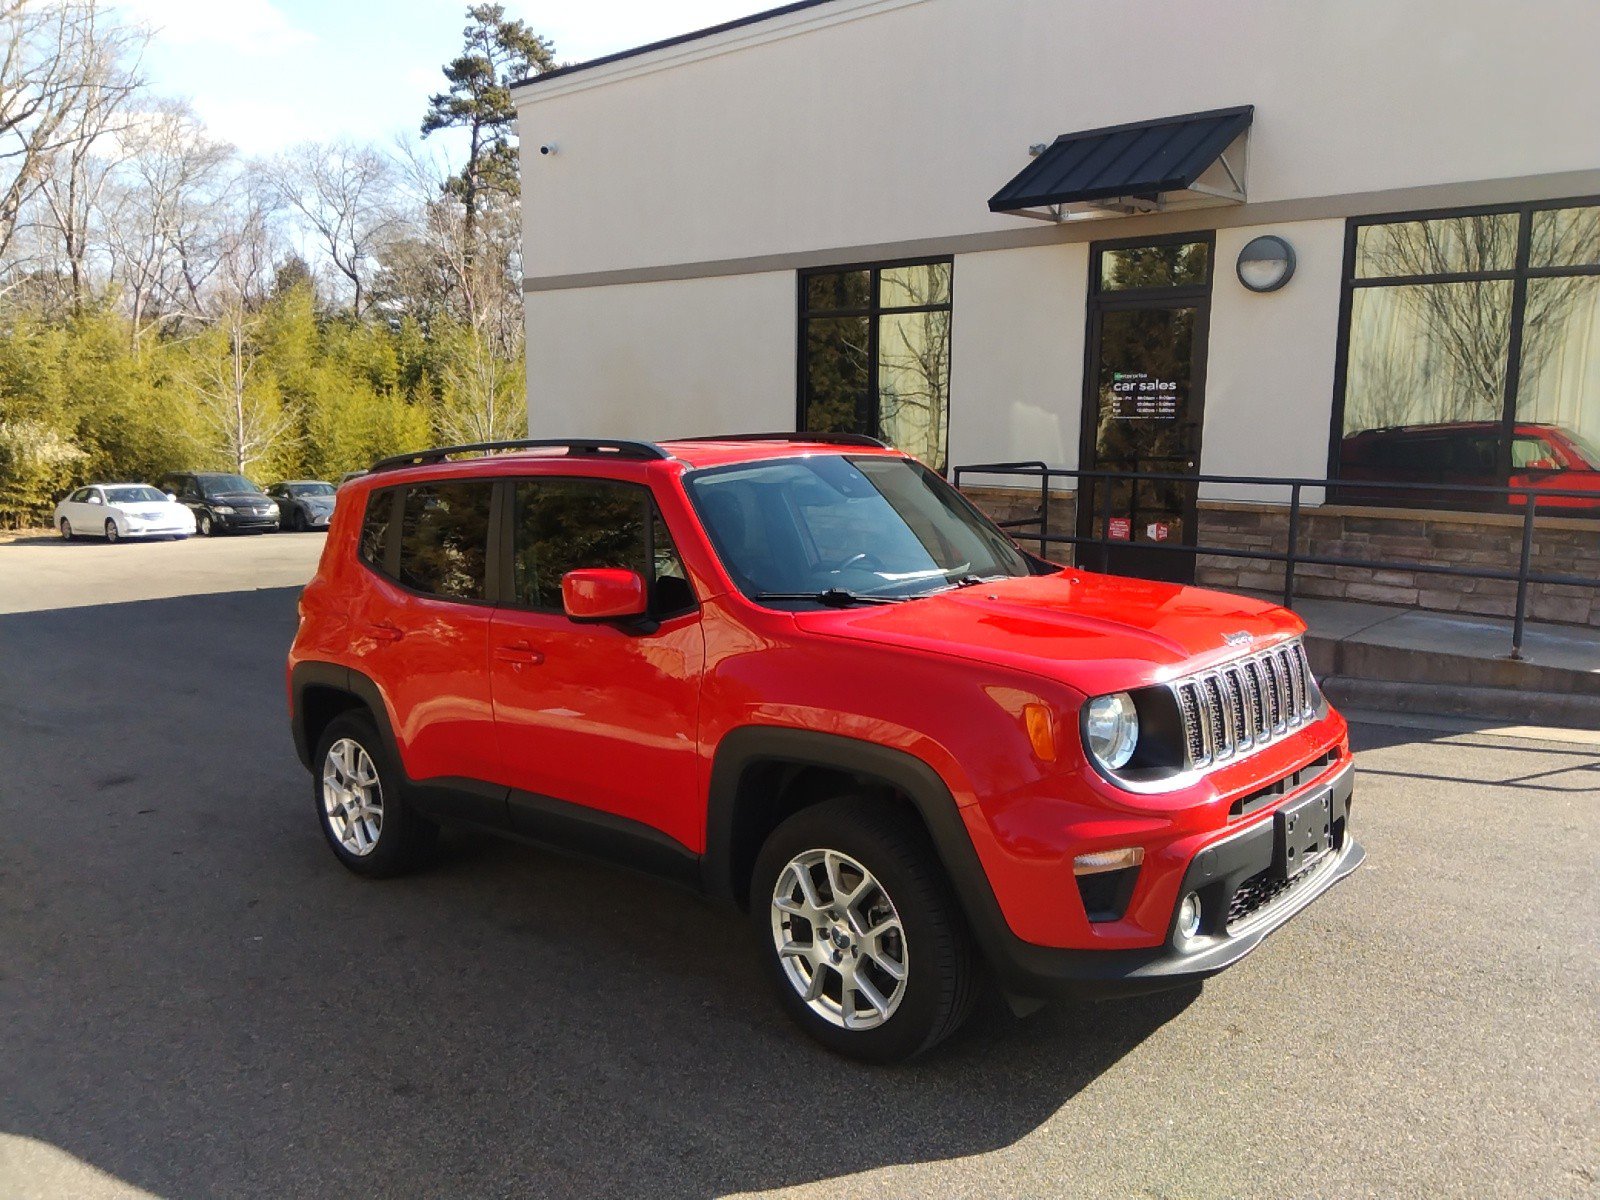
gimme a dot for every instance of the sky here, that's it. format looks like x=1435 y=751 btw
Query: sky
x=265 y=74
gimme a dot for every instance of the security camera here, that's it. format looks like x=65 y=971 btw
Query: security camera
x=548 y=148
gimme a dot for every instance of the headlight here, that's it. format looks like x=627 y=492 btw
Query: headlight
x=1111 y=729
x=222 y=508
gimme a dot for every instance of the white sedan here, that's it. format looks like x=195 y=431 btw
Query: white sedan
x=122 y=510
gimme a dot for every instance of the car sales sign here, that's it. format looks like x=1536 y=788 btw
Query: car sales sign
x=1139 y=396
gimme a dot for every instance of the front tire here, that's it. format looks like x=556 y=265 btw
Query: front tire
x=112 y=534
x=204 y=526
x=860 y=930
x=360 y=801
x=66 y=530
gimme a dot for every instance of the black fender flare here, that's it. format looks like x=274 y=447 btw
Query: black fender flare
x=310 y=674
x=752 y=746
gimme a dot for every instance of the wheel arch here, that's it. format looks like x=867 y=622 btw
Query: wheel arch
x=761 y=775
x=320 y=691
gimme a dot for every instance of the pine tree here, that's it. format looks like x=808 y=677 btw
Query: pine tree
x=497 y=52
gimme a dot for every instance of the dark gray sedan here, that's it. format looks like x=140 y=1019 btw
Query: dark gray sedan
x=303 y=504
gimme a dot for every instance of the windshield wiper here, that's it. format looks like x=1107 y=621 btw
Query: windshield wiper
x=833 y=597
x=966 y=581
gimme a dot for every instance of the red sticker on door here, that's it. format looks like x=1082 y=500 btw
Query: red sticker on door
x=1158 y=531
x=1119 y=529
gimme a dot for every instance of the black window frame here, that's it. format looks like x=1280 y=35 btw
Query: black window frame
x=1518 y=274
x=507 y=539
x=874 y=311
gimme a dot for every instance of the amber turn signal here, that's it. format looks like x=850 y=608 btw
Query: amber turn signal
x=1041 y=731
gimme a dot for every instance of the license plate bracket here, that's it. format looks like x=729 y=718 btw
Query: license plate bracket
x=1302 y=833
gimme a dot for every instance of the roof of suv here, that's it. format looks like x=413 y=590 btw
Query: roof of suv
x=691 y=453
x=716 y=452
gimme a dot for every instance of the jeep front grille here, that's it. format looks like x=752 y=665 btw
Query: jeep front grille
x=1245 y=704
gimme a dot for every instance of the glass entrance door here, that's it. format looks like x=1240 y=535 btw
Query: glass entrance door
x=1143 y=404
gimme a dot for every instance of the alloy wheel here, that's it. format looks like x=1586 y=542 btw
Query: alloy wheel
x=839 y=939
x=205 y=524
x=66 y=529
x=352 y=798
x=111 y=531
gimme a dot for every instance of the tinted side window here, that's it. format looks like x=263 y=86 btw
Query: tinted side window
x=566 y=525
x=374 y=544
x=444 y=538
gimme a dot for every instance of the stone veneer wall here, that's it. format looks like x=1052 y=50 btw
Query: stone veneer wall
x=1493 y=540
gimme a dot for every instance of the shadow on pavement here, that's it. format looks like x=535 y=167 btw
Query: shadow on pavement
x=1579 y=769
x=197 y=1000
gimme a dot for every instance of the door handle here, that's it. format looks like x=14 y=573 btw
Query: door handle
x=520 y=652
x=384 y=632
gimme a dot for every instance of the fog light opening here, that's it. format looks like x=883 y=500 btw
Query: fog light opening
x=1189 y=916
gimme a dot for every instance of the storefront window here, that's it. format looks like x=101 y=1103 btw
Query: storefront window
x=1158 y=265
x=1472 y=357
x=875 y=355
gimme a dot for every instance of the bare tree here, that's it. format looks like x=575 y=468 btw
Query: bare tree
x=240 y=410
x=165 y=216
x=344 y=193
x=63 y=73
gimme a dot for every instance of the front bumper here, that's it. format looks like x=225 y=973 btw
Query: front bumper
x=1220 y=873
x=245 y=521
x=139 y=531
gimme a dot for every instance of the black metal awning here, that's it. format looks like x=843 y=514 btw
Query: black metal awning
x=1146 y=166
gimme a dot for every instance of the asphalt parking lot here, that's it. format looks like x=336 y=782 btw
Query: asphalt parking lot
x=196 y=1001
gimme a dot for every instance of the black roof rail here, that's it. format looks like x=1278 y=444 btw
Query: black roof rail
x=593 y=447
x=834 y=439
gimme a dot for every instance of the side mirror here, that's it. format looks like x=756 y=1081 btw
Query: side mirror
x=603 y=594
x=96 y=500
x=172 y=498
x=1543 y=464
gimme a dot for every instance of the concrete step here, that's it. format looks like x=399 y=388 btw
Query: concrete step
x=1556 y=710
x=1447 y=664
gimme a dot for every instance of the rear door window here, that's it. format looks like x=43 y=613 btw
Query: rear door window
x=444 y=539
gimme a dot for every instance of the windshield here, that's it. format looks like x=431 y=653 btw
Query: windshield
x=310 y=489
x=1591 y=455
x=226 y=485
x=133 y=495
x=869 y=526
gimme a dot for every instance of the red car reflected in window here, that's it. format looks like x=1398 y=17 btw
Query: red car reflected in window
x=1545 y=457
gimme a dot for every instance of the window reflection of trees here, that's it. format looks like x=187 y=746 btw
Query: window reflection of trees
x=876 y=348
x=570 y=524
x=444 y=535
x=1429 y=349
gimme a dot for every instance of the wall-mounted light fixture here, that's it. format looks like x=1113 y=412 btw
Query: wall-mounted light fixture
x=1266 y=263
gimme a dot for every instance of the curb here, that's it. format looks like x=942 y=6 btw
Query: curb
x=1555 y=709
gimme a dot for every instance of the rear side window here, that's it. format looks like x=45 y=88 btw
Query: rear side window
x=563 y=525
x=444 y=538
x=374 y=544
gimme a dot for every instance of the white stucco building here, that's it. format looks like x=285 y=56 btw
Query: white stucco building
x=822 y=217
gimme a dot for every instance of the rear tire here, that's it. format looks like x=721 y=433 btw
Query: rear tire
x=361 y=804
x=880 y=998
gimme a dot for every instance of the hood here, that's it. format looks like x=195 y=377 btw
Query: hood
x=245 y=499
x=1096 y=633
x=152 y=508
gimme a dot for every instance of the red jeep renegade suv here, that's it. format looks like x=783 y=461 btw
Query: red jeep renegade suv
x=804 y=674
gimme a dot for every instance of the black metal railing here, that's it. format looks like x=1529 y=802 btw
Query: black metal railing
x=1527 y=498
